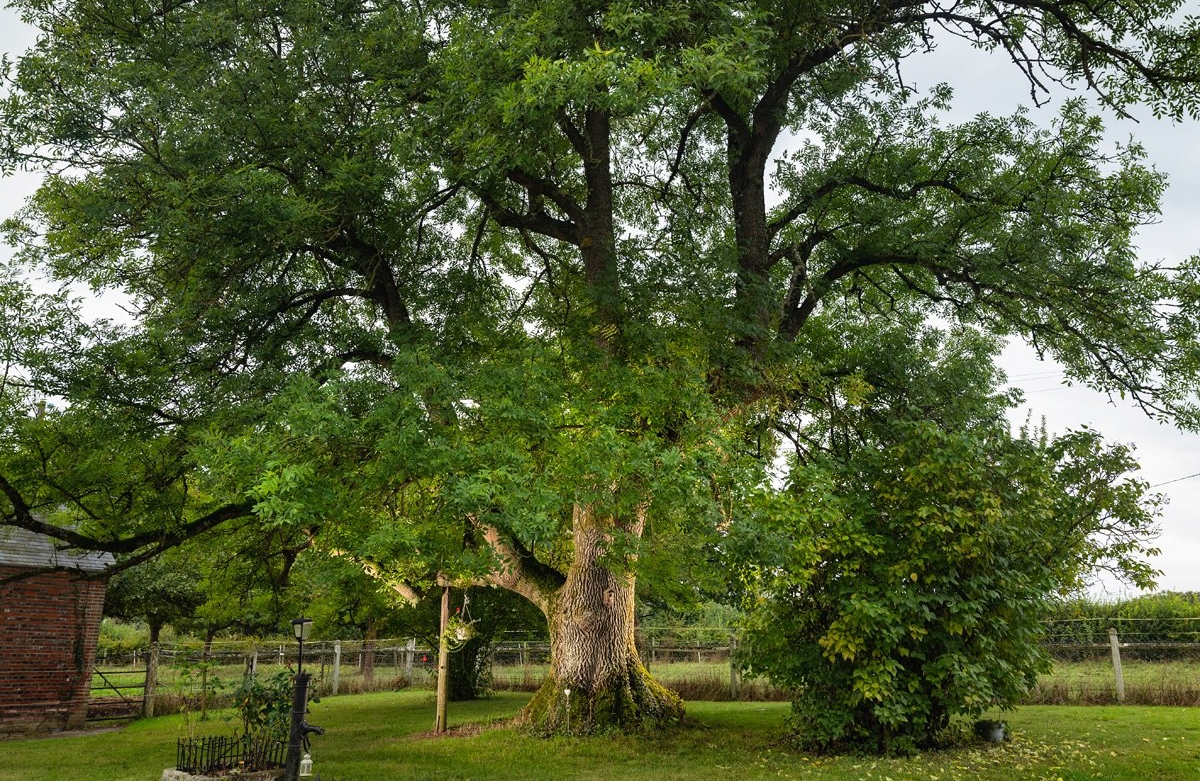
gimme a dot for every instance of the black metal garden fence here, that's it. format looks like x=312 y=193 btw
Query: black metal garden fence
x=224 y=753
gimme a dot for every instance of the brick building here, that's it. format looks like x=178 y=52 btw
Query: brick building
x=49 y=627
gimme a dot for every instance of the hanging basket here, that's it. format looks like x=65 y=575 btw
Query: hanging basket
x=458 y=632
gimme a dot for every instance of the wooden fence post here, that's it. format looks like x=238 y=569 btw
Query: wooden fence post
x=734 y=678
x=410 y=651
x=337 y=663
x=1115 y=644
x=151 y=681
x=204 y=685
x=366 y=660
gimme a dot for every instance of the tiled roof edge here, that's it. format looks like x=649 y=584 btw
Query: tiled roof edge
x=23 y=548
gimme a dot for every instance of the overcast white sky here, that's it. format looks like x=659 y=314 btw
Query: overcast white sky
x=1170 y=459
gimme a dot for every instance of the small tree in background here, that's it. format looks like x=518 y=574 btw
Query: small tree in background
x=235 y=580
x=908 y=582
x=159 y=592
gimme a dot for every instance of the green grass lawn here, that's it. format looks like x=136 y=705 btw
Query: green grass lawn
x=378 y=737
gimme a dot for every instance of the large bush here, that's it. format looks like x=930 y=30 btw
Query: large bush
x=908 y=580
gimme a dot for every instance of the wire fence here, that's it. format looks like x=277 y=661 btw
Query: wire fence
x=1138 y=663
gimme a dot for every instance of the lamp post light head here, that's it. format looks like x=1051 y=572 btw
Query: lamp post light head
x=301 y=628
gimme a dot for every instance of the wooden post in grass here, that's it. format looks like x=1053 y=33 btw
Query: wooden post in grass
x=1115 y=644
x=337 y=663
x=410 y=651
x=151 y=681
x=203 y=688
x=205 y=656
x=443 y=679
x=734 y=679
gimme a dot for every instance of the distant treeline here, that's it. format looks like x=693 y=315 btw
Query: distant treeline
x=1169 y=617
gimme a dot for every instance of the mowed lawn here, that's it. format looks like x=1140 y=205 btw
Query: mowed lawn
x=383 y=737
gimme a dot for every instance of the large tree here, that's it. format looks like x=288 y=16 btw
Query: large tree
x=515 y=292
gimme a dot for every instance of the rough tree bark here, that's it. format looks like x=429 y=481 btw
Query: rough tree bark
x=593 y=654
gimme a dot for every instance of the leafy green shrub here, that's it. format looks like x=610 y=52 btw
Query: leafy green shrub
x=909 y=580
x=264 y=706
x=191 y=675
x=119 y=638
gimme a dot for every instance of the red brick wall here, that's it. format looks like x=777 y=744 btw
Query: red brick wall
x=49 y=626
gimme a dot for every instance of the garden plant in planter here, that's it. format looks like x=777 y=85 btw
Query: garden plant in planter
x=263 y=709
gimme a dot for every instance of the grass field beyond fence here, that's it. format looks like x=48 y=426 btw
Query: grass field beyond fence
x=379 y=737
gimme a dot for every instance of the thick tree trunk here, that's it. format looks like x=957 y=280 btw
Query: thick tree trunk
x=593 y=655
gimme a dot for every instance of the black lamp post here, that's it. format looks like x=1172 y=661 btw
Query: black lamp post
x=298 y=735
x=300 y=628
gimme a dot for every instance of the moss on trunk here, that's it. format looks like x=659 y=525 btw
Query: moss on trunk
x=630 y=702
